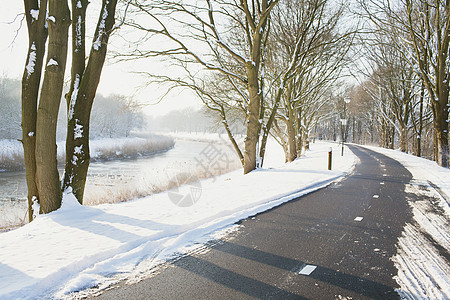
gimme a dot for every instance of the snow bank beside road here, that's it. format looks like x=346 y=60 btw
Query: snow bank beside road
x=78 y=247
x=423 y=273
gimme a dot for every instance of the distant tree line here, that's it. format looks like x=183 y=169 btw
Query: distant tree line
x=113 y=116
x=370 y=122
x=10 y=113
x=190 y=120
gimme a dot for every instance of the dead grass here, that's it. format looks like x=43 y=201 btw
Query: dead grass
x=12 y=162
x=132 y=149
x=122 y=190
x=13 y=215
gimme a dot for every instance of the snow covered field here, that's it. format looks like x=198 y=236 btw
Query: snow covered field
x=79 y=247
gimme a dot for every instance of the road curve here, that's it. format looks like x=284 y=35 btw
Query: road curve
x=335 y=243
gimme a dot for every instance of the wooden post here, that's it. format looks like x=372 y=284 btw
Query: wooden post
x=330 y=156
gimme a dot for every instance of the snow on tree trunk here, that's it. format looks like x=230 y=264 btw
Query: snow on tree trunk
x=253 y=125
x=81 y=99
x=37 y=35
x=48 y=182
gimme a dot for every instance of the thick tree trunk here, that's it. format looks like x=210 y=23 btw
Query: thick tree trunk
x=290 y=125
x=253 y=123
x=441 y=112
x=77 y=143
x=46 y=153
x=441 y=131
x=75 y=152
x=299 y=133
x=403 y=139
x=37 y=35
x=255 y=113
x=292 y=142
x=419 y=134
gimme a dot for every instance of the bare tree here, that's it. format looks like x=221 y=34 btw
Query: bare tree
x=39 y=123
x=397 y=85
x=84 y=83
x=427 y=23
x=429 y=27
x=229 y=38
x=310 y=36
x=35 y=13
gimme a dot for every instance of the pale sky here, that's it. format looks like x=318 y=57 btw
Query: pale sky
x=116 y=78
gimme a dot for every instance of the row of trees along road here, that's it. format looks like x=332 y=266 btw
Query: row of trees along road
x=402 y=98
x=276 y=65
x=266 y=62
x=410 y=57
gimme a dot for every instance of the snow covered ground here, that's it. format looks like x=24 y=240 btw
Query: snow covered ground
x=423 y=272
x=78 y=247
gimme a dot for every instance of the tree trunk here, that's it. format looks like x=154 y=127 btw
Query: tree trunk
x=441 y=127
x=77 y=143
x=419 y=134
x=37 y=36
x=403 y=139
x=253 y=123
x=435 y=147
x=299 y=133
x=255 y=114
x=268 y=126
x=292 y=141
x=233 y=141
x=290 y=124
x=391 y=134
x=46 y=153
x=441 y=113
x=306 y=139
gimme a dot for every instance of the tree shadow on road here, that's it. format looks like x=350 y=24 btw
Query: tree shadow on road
x=361 y=286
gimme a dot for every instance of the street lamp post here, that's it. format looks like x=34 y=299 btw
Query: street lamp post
x=344 y=124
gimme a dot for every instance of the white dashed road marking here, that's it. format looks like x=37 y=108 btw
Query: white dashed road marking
x=307 y=270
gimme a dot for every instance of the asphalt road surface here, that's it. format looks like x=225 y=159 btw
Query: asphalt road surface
x=335 y=243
